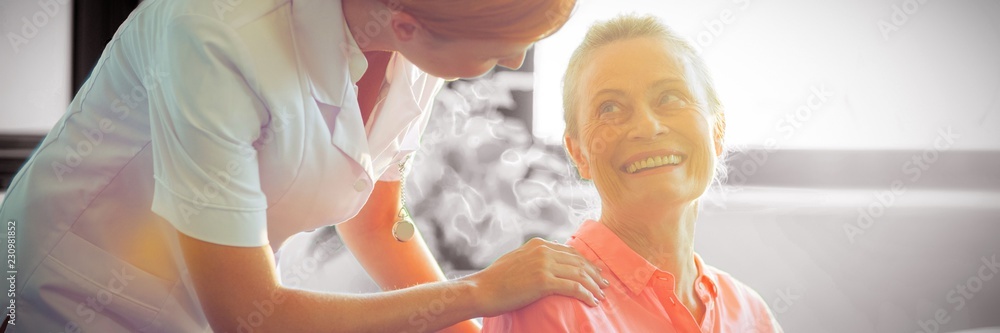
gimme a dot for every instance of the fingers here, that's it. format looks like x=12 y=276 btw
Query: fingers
x=580 y=276
x=569 y=266
x=568 y=255
x=571 y=288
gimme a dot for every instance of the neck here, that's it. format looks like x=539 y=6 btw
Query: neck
x=360 y=14
x=664 y=236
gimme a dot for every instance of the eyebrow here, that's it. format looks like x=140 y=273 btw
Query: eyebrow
x=619 y=92
x=667 y=81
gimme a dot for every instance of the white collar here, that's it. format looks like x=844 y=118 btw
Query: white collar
x=326 y=47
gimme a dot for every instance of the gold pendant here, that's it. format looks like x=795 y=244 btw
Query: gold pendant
x=403 y=230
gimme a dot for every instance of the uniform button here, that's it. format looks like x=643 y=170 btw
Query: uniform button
x=360 y=185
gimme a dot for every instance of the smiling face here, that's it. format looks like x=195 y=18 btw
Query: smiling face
x=644 y=130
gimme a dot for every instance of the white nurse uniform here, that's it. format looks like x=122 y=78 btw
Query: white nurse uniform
x=234 y=122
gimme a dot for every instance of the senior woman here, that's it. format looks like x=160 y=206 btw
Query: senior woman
x=645 y=125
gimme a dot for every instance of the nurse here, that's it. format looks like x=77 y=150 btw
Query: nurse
x=210 y=132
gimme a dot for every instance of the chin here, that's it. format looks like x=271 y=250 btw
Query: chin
x=671 y=194
x=452 y=74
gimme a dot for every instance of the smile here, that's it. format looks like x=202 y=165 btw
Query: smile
x=654 y=162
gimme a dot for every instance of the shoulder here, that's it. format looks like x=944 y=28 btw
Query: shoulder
x=218 y=24
x=554 y=313
x=742 y=301
x=731 y=287
x=232 y=13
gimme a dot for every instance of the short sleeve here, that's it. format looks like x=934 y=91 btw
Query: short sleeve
x=761 y=319
x=204 y=118
x=766 y=322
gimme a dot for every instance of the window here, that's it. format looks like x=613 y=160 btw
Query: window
x=834 y=75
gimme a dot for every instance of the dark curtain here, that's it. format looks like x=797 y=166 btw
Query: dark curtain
x=94 y=22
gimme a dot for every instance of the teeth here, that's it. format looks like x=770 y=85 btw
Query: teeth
x=653 y=162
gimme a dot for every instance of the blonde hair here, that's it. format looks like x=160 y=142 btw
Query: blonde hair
x=514 y=20
x=626 y=27
x=630 y=26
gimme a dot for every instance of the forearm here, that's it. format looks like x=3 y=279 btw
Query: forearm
x=391 y=263
x=424 y=308
x=239 y=290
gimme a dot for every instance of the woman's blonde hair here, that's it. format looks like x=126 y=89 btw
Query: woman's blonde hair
x=514 y=20
x=626 y=27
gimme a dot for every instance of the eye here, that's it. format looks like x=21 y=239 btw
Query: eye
x=671 y=98
x=607 y=107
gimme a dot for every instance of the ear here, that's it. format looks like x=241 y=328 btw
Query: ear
x=577 y=155
x=720 y=132
x=404 y=26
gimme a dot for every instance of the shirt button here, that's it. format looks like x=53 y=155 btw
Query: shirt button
x=360 y=185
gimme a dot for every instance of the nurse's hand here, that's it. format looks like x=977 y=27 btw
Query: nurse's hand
x=537 y=269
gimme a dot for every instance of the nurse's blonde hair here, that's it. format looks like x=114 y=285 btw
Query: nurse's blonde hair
x=513 y=20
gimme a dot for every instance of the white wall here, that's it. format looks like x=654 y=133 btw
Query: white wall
x=35 y=64
x=938 y=69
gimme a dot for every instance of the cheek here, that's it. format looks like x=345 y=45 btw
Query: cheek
x=601 y=139
x=602 y=142
x=698 y=131
x=703 y=166
x=479 y=68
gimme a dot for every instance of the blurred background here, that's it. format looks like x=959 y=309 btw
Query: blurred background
x=864 y=186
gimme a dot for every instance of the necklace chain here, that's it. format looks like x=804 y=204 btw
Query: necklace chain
x=403 y=213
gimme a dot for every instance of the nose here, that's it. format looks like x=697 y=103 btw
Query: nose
x=646 y=125
x=513 y=63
